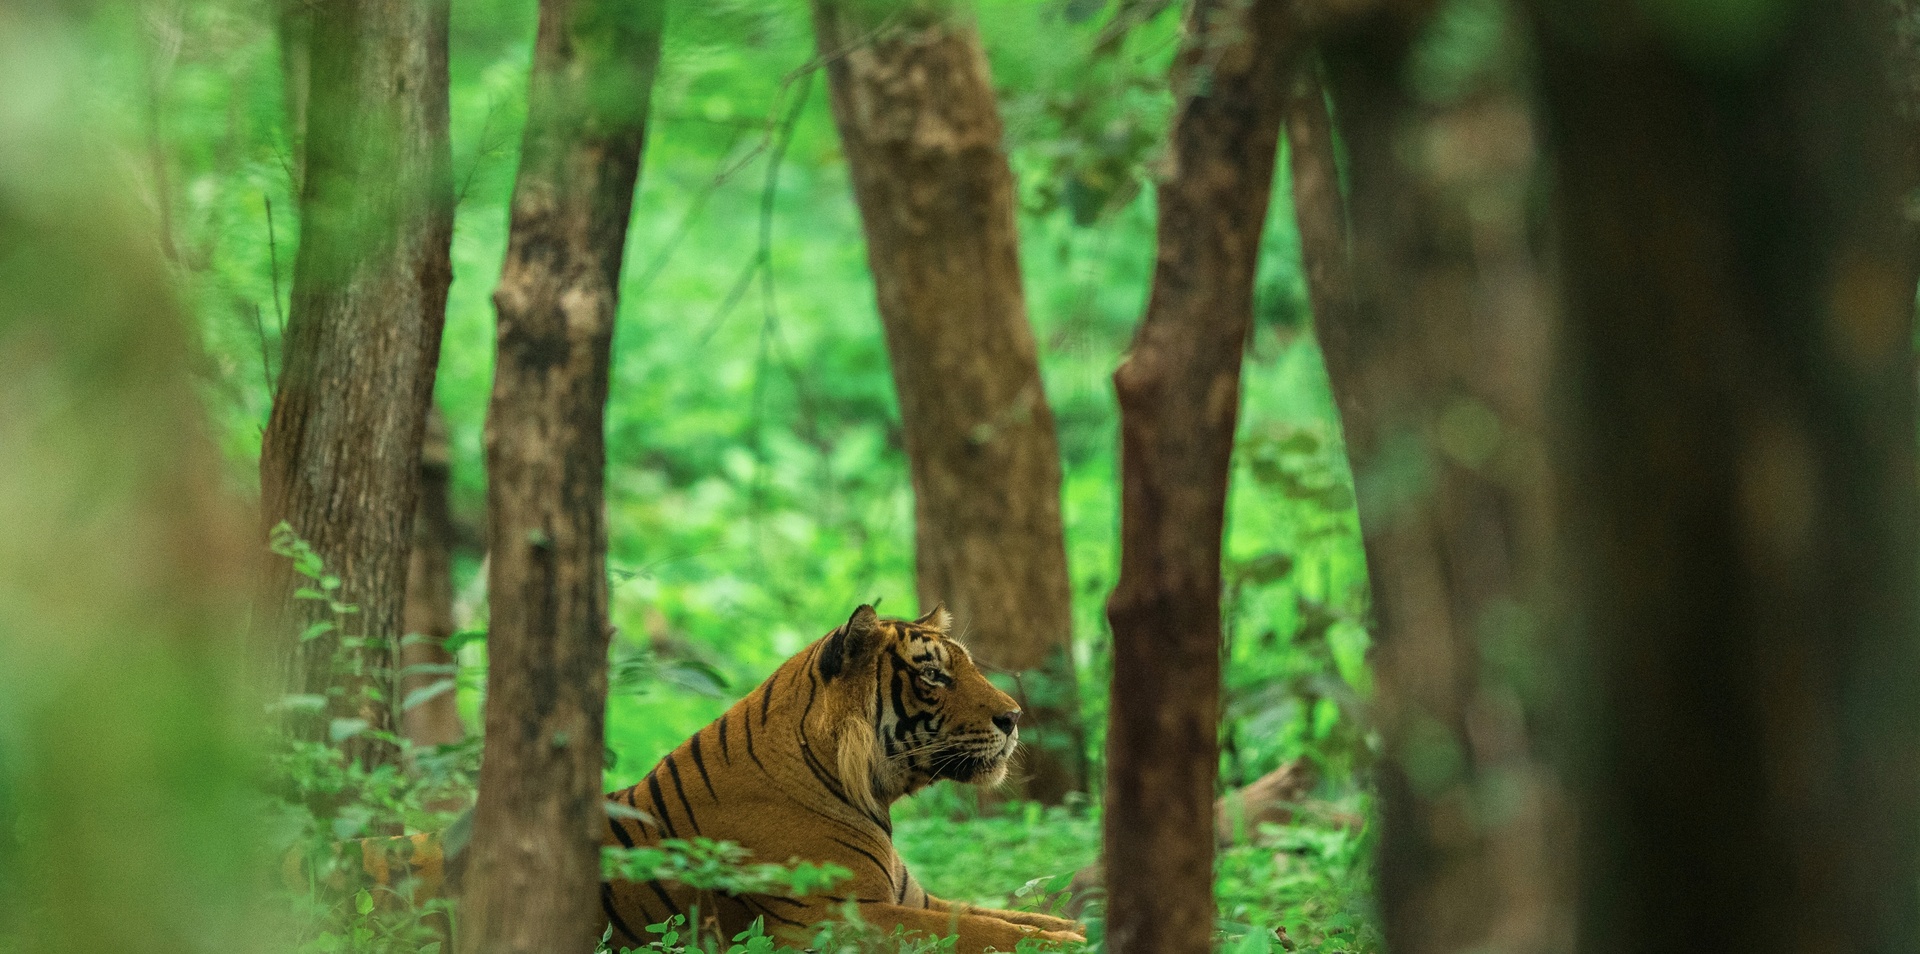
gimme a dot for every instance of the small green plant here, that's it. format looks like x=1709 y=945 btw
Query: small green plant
x=719 y=866
x=322 y=798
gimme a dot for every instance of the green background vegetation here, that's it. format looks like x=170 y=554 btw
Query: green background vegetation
x=757 y=482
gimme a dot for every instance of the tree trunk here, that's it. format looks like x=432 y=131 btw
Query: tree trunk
x=1904 y=70
x=425 y=664
x=340 y=459
x=1436 y=345
x=293 y=23
x=1179 y=391
x=535 y=867
x=1740 y=477
x=921 y=129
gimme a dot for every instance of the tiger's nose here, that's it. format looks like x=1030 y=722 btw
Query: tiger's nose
x=1007 y=720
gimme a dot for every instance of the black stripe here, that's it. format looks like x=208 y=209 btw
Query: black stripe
x=666 y=899
x=701 y=764
x=884 y=869
x=613 y=915
x=821 y=775
x=766 y=696
x=764 y=912
x=674 y=769
x=814 y=765
x=747 y=721
x=660 y=804
x=838 y=821
x=626 y=840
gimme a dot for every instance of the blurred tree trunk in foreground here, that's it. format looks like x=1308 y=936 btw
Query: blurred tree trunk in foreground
x=293 y=29
x=1436 y=339
x=425 y=664
x=921 y=129
x=1740 y=476
x=125 y=779
x=535 y=867
x=340 y=459
x=1179 y=392
x=1904 y=71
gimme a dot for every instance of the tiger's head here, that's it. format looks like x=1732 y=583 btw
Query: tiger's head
x=908 y=707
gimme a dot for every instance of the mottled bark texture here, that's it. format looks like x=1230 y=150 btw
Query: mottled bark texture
x=340 y=459
x=1179 y=392
x=533 y=886
x=1431 y=317
x=1739 y=466
x=921 y=130
x=426 y=667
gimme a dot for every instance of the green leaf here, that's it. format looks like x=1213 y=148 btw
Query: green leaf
x=463 y=637
x=341 y=730
x=302 y=702
x=424 y=693
x=617 y=810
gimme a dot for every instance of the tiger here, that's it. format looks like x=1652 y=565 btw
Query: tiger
x=807 y=766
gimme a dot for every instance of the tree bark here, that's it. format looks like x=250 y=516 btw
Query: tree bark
x=1179 y=392
x=1740 y=477
x=535 y=867
x=921 y=129
x=425 y=662
x=340 y=458
x=1436 y=341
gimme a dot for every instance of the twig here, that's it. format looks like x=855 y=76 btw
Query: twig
x=260 y=332
x=273 y=265
x=699 y=204
x=769 y=326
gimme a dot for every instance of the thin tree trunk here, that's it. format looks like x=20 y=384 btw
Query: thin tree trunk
x=1179 y=391
x=1740 y=477
x=921 y=129
x=340 y=459
x=425 y=663
x=1436 y=339
x=535 y=868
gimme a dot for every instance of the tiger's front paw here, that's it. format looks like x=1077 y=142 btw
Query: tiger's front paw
x=1066 y=937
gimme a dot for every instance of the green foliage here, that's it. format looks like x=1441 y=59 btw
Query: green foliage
x=322 y=799
x=757 y=478
x=708 y=865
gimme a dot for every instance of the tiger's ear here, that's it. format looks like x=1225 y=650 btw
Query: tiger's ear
x=851 y=644
x=938 y=618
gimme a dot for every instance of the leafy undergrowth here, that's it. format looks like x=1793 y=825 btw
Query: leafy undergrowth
x=1308 y=880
